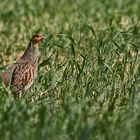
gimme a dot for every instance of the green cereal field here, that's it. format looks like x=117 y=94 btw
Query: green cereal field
x=88 y=83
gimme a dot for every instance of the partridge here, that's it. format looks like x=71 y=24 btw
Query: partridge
x=21 y=75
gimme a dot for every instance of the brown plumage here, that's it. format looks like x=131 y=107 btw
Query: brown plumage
x=20 y=76
x=23 y=76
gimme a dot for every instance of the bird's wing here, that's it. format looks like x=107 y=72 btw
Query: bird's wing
x=7 y=75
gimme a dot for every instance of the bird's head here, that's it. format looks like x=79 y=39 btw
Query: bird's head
x=32 y=51
x=37 y=38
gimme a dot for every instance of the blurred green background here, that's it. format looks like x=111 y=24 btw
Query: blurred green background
x=88 y=81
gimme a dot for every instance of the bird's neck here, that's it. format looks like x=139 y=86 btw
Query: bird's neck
x=31 y=53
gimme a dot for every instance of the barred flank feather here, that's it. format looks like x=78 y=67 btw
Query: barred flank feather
x=23 y=76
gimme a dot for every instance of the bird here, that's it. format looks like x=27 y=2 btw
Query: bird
x=21 y=75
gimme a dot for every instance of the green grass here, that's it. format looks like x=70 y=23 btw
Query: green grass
x=88 y=81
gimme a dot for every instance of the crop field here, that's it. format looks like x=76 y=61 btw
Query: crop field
x=88 y=83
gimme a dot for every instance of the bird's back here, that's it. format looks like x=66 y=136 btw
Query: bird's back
x=7 y=75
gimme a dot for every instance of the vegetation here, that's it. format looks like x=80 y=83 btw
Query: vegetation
x=88 y=81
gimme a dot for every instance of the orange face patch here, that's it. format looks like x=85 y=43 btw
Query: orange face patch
x=37 y=38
